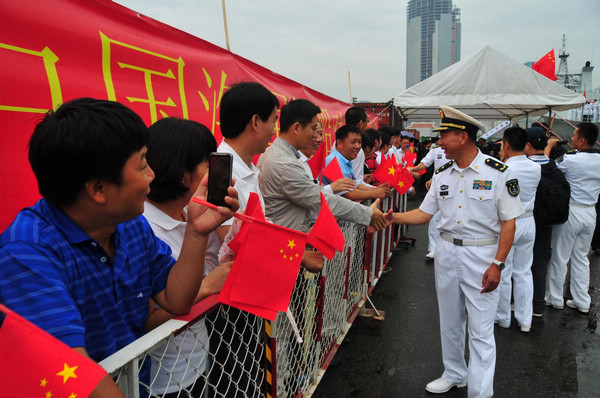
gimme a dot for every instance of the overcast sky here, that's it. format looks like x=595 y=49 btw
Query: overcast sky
x=316 y=42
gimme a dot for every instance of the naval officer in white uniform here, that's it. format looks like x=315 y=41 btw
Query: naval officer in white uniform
x=479 y=202
x=572 y=239
x=516 y=277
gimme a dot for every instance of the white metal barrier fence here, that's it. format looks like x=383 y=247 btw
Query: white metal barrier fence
x=219 y=351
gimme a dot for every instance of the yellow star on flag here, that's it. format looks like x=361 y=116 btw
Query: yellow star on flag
x=291 y=244
x=400 y=184
x=43 y=382
x=392 y=171
x=49 y=394
x=73 y=395
x=67 y=373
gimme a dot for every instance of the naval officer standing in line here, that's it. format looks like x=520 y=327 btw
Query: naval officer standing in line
x=479 y=202
x=571 y=240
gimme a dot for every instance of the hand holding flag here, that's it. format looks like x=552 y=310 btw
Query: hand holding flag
x=404 y=180
x=333 y=171
x=386 y=171
x=326 y=235
x=317 y=162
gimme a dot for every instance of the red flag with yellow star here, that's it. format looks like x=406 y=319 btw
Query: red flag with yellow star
x=386 y=171
x=410 y=158
x=326 y=235
x=317 y=162
x=253 y=209
x=546 y=65
x=404 y=180
x=264 y=271
x=33 y=363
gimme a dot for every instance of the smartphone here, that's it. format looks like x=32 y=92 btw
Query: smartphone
x=219 y=177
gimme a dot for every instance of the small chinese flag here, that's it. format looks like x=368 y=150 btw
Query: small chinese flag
x=317 y=162
x=253 y=209
x=326 y=235
x=33 y=363
x=410 y=158
x=546 y=66
x=225 y=298
x=333 y=171
x=386 y=171
x=264 y=271
x=404 y=180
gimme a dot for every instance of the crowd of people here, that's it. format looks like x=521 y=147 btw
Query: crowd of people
x=116 y=246
x=589 y=112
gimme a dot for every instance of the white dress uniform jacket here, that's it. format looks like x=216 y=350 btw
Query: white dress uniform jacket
x=572 y=239
x=436 y=157
x=472 y=201
x=516 y=277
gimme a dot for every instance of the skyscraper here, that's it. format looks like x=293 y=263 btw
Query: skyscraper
x=432 y=38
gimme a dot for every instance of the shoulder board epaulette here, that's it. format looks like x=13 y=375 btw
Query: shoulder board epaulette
x=496 y=164
x=433 y=146
x=444 y=167
x=571 y=152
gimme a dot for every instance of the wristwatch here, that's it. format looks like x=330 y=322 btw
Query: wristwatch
x=499 y=263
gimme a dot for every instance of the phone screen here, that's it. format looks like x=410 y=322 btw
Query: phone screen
x=219 y=177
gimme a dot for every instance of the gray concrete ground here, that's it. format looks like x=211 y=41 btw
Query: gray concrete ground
x=399 y=356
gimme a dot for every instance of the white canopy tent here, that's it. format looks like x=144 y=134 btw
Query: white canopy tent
x=486 y=85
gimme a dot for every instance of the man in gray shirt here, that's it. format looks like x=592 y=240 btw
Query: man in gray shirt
x=289 y=193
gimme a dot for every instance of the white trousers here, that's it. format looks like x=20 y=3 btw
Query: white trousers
x=571 y=240
x=516 y=277
x=432 y=231
x=458 y=276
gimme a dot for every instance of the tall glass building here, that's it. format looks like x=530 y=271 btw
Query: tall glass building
x=432 y=38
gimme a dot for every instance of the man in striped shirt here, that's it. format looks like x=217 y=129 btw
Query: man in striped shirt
x=82 y=262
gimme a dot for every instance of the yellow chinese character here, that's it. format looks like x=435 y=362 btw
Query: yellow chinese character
x=168 y=64
x=49 y=59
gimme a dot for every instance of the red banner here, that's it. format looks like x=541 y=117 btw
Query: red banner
x=54 y=50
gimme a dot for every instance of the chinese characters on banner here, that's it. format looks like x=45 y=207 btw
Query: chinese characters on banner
x=52 y=51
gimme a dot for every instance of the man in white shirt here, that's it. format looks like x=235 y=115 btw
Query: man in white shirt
x=395 y=144
x=248 y=115
x=403 y=149
x=357 y=116
x=516 y=277
x=571 y=240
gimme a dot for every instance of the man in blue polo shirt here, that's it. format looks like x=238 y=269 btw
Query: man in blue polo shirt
x=348 y=143
x=82 y=262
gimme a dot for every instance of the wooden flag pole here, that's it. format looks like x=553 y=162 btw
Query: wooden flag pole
x=225 y=24
x=350 y=87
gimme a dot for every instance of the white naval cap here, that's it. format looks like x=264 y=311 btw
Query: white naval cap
x=453 y=119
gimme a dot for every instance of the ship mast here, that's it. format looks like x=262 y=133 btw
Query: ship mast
x=571 y=81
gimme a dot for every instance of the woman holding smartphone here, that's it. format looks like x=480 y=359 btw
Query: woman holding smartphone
x=178 y=152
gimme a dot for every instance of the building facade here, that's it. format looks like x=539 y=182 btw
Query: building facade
x=432 y=38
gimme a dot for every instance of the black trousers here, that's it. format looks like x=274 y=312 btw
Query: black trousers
x=542 y=250
x=596 y=237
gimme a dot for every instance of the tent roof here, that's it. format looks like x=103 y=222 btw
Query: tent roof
x=486 y=85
